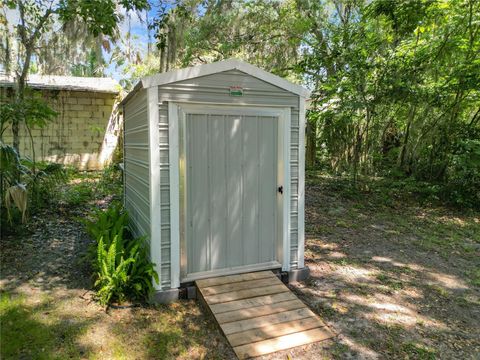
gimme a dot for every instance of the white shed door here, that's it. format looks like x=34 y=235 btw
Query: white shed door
x=231 y=195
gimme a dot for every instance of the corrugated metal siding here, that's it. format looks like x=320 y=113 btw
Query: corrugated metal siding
x=214 y=89
x=164 y=194
x=136 y=160
x=232 y=172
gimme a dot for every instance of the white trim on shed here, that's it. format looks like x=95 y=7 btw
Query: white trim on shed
x=155 y=201
x=220 y=66
x=213 y=68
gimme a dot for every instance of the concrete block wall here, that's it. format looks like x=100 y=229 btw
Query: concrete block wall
x=78 y=133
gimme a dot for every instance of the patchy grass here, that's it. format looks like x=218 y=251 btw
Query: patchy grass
x=418 y=351
x=390 y=282
x=63 y=325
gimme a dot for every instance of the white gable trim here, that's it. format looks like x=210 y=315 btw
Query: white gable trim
x=221 y=66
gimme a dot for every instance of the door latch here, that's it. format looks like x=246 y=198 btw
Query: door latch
x=280 y=189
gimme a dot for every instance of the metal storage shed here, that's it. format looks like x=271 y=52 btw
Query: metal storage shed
x=214 y=172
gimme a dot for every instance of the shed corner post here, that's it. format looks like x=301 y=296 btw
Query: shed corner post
x=174 y=149
x=286 y=221
x=301 y=272
x=155 y=206
x=301 y=184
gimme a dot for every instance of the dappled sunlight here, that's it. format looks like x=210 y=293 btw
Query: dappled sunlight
x=448 y=281
x=49 y=311
x=438 y=278
x=363 y=351
x=407 y=285
x=337 y=255
x=388 y=260
x=388 y=310
x=82 y=161
x=416 y=267
x=378 y=293
x=412 y=293
x=326 y=246
x=355 y=274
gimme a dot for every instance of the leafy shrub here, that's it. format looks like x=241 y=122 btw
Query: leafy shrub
x=78 y=194
x=463 y=185
x=111 y=181
x=122 y=265
x=45 y=182
x=25 y=184
x=107 y=224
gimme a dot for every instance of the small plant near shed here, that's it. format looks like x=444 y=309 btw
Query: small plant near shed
x=121 y=263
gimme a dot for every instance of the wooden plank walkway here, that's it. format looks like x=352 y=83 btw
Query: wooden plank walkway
x=259 y=315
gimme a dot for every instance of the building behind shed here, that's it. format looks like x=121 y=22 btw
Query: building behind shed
x=86 y=130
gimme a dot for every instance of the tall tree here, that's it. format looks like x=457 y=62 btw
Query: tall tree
x=37 y=16
x=263 y=32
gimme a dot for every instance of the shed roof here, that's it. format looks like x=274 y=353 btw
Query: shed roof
x=73 y=83
x=216 y=67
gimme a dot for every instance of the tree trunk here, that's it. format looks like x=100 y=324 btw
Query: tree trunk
x=403 y=153
x=311 y=150
x=20 y=97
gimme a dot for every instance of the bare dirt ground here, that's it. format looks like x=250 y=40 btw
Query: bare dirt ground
x=400 y=281
x=395 y=282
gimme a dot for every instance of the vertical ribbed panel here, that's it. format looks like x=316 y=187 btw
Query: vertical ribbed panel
x=165 y=192
x=136 y=162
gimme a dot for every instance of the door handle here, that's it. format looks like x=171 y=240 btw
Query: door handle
x=280 y=189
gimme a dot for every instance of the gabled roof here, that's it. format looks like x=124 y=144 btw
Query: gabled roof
x=217 y=67
x=220 y=66
x=73 y=83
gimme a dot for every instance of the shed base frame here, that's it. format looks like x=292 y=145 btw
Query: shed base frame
x=170 y=295
x=165 y=296
x=188 y=290
x=298 y=274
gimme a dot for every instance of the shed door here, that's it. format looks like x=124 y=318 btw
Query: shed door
x=231 y=196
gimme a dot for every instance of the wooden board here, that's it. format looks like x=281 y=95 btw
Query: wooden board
x=252 y=302
x=259 y=315
x=281 y=343
x=254 y=335
x=245 y=294
x=234 y=278
x=256 y=311
x=220 y=289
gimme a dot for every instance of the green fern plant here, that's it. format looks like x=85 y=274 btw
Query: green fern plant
x=105 y=225
x=121 y=263
x=141 y=271
x=123 y=272
x=113 y=272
